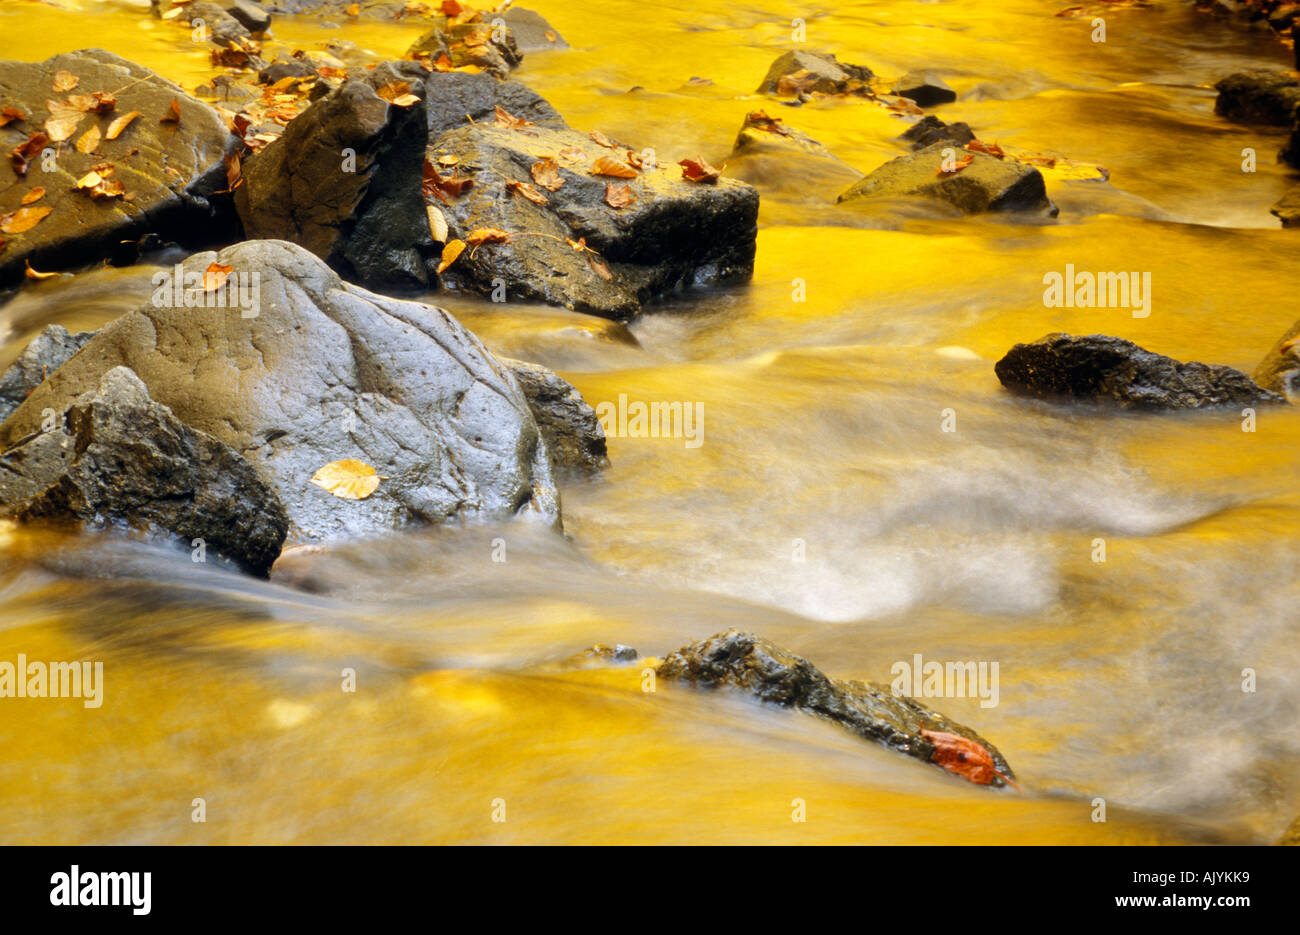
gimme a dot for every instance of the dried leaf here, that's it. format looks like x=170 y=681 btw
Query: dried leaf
x=572 y=156
x=23 y=153
x=215 y=276
x=437 y=223
x=482 y=235
x=547 y=174
x=24 y=219
x=506 y=119
x=33 y=274
x=63 y=120
x=9 y=114
x=234 y=171
x=601 y=139
x=173 y=114
x=451 y=8
x=450 y=253
x=448 y=160
x=580 y=244
x=607 y=165
x=527 y=191
x=965 y=757
x=398 y=93
x=618 y=196
x=121 y=123
x=697 y=170
x=348 y=479
x=598 y=265
x=104 y=102
x=957 y=166
x=990 y=149
x=65 y=81
x=87 y=142
x=36 y=194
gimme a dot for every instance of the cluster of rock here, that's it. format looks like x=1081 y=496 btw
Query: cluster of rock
x=1270 y=98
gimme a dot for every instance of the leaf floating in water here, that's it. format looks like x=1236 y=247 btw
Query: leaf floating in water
x=965 y=757
x=450 y=253
x=348 y=479
x=697 y=170
x=121 y=123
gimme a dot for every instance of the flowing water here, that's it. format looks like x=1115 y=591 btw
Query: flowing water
x=825 y=509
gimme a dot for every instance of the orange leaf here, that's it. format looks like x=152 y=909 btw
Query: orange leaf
x=957 y=166
x=87 y=142
x=482 y=235
x=36 y=194
x=547 y=174
x=62 y=121
x=601 y=139
x=9 y=114
x=697 y=170
x=121 y=123
x=24 y=219
x=965 y=757
x=990 y=149
x=173 y=114
x=65 y=81
x=215 y=276
x=353 y=10
x=618 y=196
x=607 y=165
x=598 y=265
x=24 y=151
x=33 y=274
x=506 y=119
x=523 y=188
x=450 y=253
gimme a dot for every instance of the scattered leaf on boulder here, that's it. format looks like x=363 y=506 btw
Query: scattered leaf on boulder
x=23 y=153
x=65 y=81
x=618 y=196
x=547 y=174
x=348 y=479
x=173 y=114
x=63 y=120
x=397 y=93
x=437 y=223
x=697 y=170
x=9 y=114
x=527 y=191
x=36 y=194
x=957 y=166
x=87 y=142
x=601 y=139
x=506 y=119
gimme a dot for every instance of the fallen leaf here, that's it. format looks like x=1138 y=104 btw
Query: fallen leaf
x=22 y=154
x=905 y=105
x=989 y=149
x=81 y=102
x=580 y=244
x=63 y=120
x=89 y=180
x=348 y=479
x=87 y=142
x=173 y=114
x=572 y=156
x=234 y=171
x=104 y=102
x=437 y=223
x=353 y=10
x=965 y=757
x=24 y=219
x=397 y=93
x=760 y=120
x=121 y=123
x=526 y=190
x=506 y=119
x=448 y=160
x=957 y=166
x=547 y=174
x=697 y=170
x=9 y=114
x=450 y=252
x=215 y=276
x=607 y=165
x=36 y=194
x=598 y=265
x=618 y=196
x=65 y=81
x=451 y=8
x=482 y=235
x=33 y=274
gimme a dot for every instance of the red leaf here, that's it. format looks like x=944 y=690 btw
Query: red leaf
x=965 y=757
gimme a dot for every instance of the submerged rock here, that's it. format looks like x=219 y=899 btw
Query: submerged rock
x=171 y=174
x=670 y=233
x=771 y=154
x=1279 y=371
x=46 y=353
x=1287 y=208
x=925 y=89
x=117 y=457
x=1062 y=367
x=804 y=72
x=986 y=183
x=771 y=674
x=531 y=31
x=574 y=436
x=1267 y=97
x=344 y=181
x=250 y=14
x=298 y=369
x=930 y=130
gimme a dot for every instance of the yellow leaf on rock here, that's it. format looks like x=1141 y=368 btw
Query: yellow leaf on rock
x=87 y=142
x=24 y=219
x=450 y=252
x=347 y=479
x=121 y=123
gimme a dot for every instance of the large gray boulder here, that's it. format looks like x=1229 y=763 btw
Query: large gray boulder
x=118 y=458
x=569 y=426
x=758 y=667
x=1063 y=367
x=46 y=353
x=171 y=173
x=304 y=369
x=986 y=183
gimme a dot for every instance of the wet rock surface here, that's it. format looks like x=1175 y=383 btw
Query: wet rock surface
x=1279 y=371
x=985 y=184
x=46 y=353
x=772 y=155
x=117 y=458
x=806 y=72
x=925 y=88
x=172 y=174
x=760 y=668
x=1267 y=97
x=573 y=435
x=1062 y=367
x=325 y=371
x=930 y=130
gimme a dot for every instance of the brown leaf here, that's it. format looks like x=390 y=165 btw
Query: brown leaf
x=121 y=123
x=572 y=156
x=547 y=174
x=580 y=244
x=963 y=756
x=81 y=102
x=523 y=188
x=87 y=142
x=451 y=8
x=398 y=93
x=23 y=153
x=618 y=196
x=607 y=165
x=24 y=219
x=599 y=267
x=234 y=172
x=957 y=166
x=173 y=114
x=760 y=120
x=215 y=276
x=601 y=139
x=63 y=120
x=697 y=170
x=482 y=235
x=65 y=81
x=506 y=119
x=450 y=253
x=990 y=149
x=36 y=194
x=33 y=274
x=9 y=114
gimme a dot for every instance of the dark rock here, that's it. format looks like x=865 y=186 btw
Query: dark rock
x=173 y=170
x=771 y=674
x=46 y=353
x=813 y=71
x=986 y=184
x=250 y=14
x=1279 y=372
x=293 y=68
x=224 y=29
x=301 y=369
x=573 y=435
x=779 y=159
x=1062 y=367
x=454 y=99
x=119 y=458
x=491 y=48
x=925 y=89
x=344 y=181
x=674 y=234
x=1267 y=97
x=531 y=31
x=930 y=130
